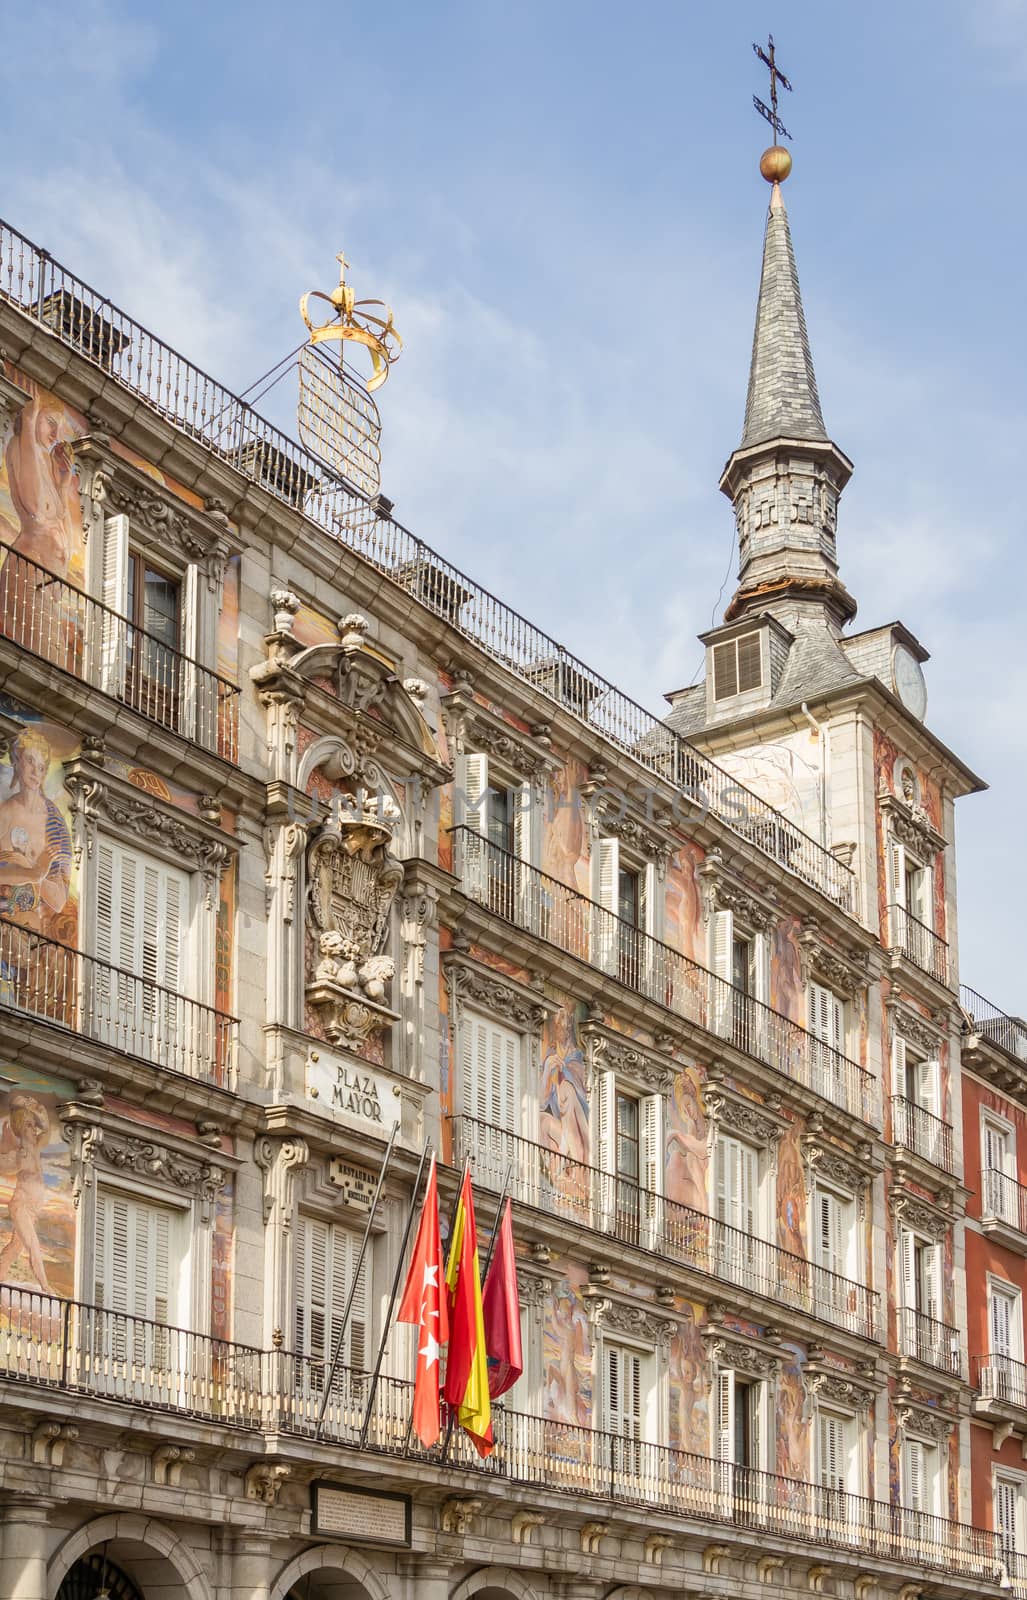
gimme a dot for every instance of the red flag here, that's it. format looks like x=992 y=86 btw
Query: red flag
x=502 y=1311
x=424 y=1303
x=467 y=1374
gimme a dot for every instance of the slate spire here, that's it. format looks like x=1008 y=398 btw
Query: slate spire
x=782 y=402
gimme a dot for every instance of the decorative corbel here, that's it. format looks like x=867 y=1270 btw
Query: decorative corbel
x=767 y=1566
x=49 y=1442
x=815 y=1578
x=279 y=1161
x=592 y=1536
x=85 y=1139
x=712 y=1556
x=263 y=1481
x=864 y=1586
x=654 y=1547
x=457 y=1515
x=167 y=1461
x=522 y=1524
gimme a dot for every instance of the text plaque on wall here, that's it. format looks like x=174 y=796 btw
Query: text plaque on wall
x=365 y=1516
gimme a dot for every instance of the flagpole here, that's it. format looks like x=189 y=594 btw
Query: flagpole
x=488 y=1258
x=400 y=1260
x=355 y=1279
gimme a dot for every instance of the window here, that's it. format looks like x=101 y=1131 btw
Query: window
x=920 y=1476
x=825 y=1019
x=627 y=909
x=490 y=1074
x=924 y=1336
x=500 y=820
x=1008 y=1510
x=909 y=891
x=837 y=1461
x=625 y=1401
x=140 y=925
x=138 y=1252
x=741 y=1422
x=740 y=960
x=1005 y=1332
x=630 y=1156
x=834 y=1245
x=916 y=1118
x=325 y=1260
x=998 y=1170
x=737 y=666
x=737 y=1207
x=153 y=605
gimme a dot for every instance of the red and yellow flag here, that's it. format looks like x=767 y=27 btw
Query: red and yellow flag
x=467 y=1372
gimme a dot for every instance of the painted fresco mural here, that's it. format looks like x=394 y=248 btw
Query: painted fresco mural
x=40 y=509
x=787 y=775
x=684 y=926
x=36 y=890
x=37 y=1214
x=793 y=1447
x=567 y=1350
x=686 y=1135
x=689 y=1391
x=787 y=991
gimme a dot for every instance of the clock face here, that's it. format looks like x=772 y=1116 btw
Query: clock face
x=908 y=678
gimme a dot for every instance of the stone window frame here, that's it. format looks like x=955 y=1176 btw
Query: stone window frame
x=633 y=1324
x=488 y=993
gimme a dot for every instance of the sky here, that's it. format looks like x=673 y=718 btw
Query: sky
x=562 y=203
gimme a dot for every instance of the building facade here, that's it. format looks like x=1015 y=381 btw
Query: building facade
x=311 y=849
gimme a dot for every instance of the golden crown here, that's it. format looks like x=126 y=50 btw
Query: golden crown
x=354 y=322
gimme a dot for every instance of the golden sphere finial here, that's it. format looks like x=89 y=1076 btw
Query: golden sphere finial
x=776 y=163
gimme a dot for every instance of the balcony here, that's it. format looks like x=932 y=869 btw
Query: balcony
x=550 y=910
x=119 y=1009
x=109 y=1356
x=933 y=1344
x=918 y=943
x=1000 y=1384
x=987 y=1025
x=553 y=1184
x=1004 y=1209
x=229 y=427
x=52 y=619
x=923 y=1134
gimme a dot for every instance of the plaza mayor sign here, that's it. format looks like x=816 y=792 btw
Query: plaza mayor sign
x=352 y=1088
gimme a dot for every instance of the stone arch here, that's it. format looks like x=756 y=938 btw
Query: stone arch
x=135 y=1542
x=333 y=1558
x=332 y=750
x=495 y=1580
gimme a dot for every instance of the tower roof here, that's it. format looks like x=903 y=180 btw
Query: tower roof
x=782 y=402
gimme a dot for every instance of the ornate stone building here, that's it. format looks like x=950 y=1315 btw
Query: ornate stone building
x=308 y=843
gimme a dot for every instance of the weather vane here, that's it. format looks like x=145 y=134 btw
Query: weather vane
x=775 y=163
x=354 y=322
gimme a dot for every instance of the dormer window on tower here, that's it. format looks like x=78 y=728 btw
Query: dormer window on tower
x=737 y=666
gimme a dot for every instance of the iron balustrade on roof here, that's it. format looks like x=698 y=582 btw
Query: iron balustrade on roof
x=227 y=426
x=560 y=915
x=120 y=1009
x=918 y=1130
x=52 y=619
x=918 y=943
x=994 y=1026
x=929 y=1341
x=113 y=1356
x=553 y=1183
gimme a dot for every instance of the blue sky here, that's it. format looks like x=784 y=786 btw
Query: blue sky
x=562 y=203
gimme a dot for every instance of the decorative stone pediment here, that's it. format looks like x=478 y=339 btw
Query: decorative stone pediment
x=113 y=485
x=470 y=983
x=852 y=1171
x=921 y=1216
x=826 y=1384
x=364 y=683
x=759 y=1358
x=911 y=826
x=472 y=726
x=626 y=1317
x=101 y=797
x=722 y=891
x=909 y=1024
x=926 y=1420
x=733 y=1113
x=100 y=1142
x=844 y=972
x=638 y=1066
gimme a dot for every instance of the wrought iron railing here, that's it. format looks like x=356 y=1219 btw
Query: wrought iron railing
x=553 y=911
x=554 y=1184
x=110 y=1355
x=1004 y=1199
x=117 y=1008
x=51 y=618
x=922 y=1133
x=210 y=413
x=918 y=943
x=1000 y=1378
x=989 y=1023
x=927 y=1340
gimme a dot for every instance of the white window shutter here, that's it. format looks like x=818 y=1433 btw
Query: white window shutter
x=722 y=937
x=932 y=1282
x=474 y=790
x=755 y=1399
x=522 y=798
x=915 y=1475
x=725 y=1416
x=898 y=1057
x=606 y=856
x=490 y=1073
x=1001 y=1324
x=907 y=1264
x=761 y=968
x=134 y=1270
x=896 y=872
x=605 y=1155
x=114 y=595
x=1006 y=1517
x=652 y=1134
x=929 y=1083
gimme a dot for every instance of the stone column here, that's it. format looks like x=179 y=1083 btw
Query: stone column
x=24 y=1547
x=249 y=1566
x=426 y=1577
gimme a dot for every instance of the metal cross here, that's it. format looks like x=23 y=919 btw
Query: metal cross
x=776 y=77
